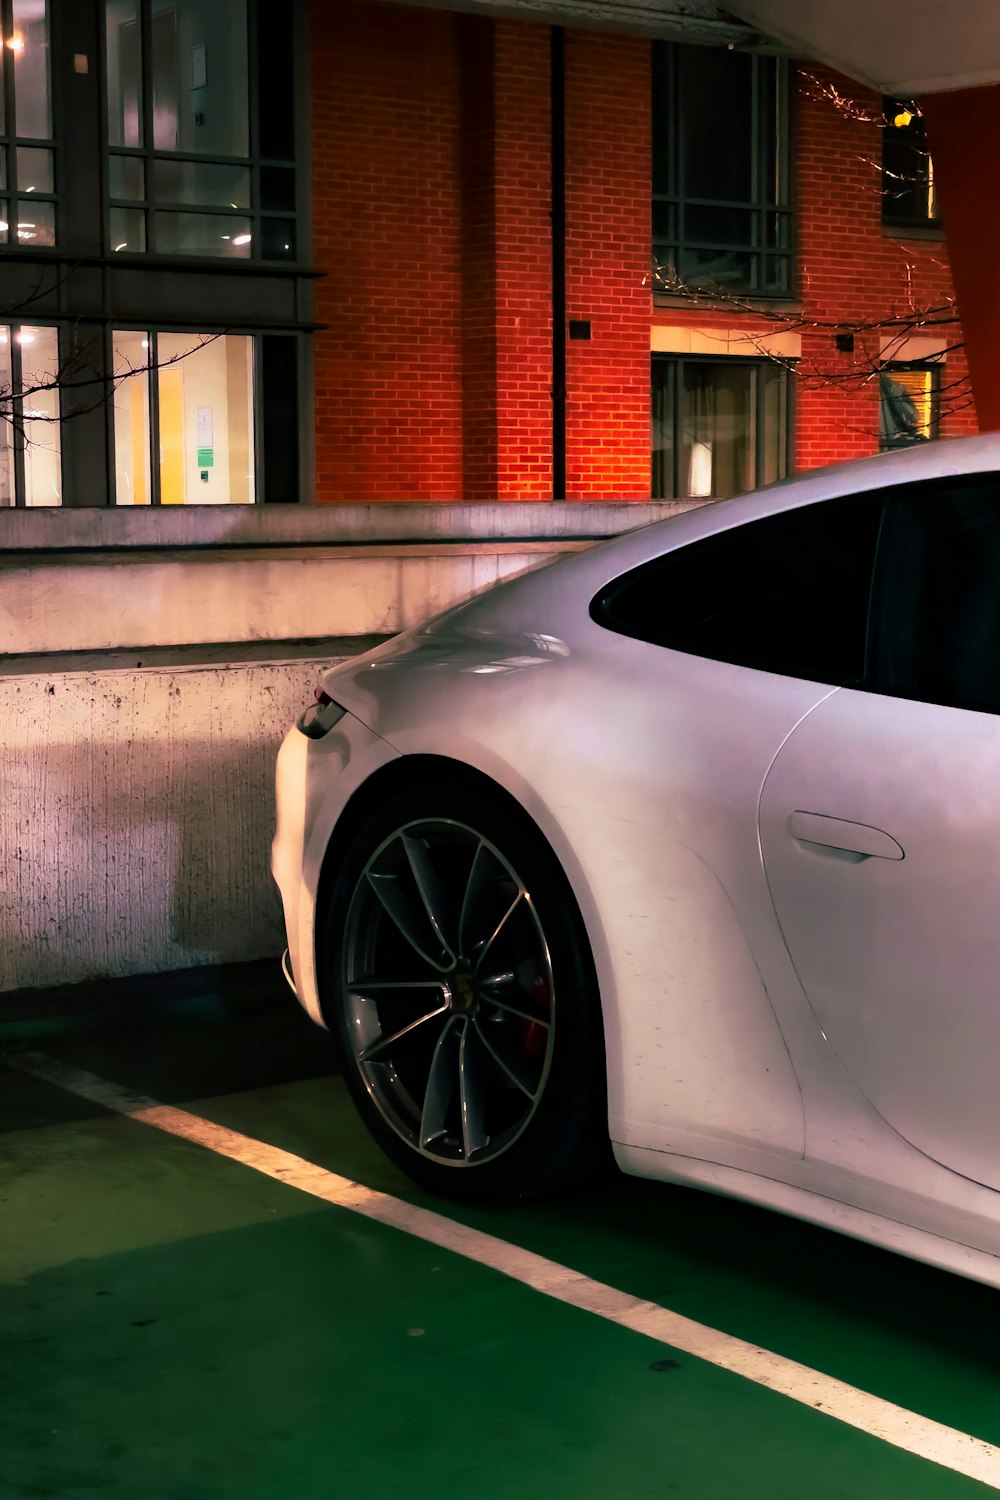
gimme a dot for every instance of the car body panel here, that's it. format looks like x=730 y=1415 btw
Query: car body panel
x=663 y=782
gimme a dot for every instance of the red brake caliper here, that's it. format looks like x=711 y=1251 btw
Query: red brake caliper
x=534 y=1036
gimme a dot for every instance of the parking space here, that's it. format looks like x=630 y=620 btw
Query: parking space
x=178 y=1324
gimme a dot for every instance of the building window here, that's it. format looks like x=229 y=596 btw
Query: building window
x=720 y=426
x=30 y=450
x=187 y=173
x=27 y=155
x=721 y=213
x=908 y=196
x=909 y=405
x=172 y=308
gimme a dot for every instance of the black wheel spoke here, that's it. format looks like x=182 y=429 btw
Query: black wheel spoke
x=472 y=1089
x=506 y=1066
x=432 y=892
x=442 y=1081
x=383 y=1044
x=409 y=918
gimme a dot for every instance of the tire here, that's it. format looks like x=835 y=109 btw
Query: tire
x=455 y=969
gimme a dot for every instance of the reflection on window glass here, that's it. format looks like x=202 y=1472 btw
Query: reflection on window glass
x=200 y=70
x=203 y=184
x=131 y=418
x=124 y=72
x=719 y=427
x=29 y=43
x=126 y=177
x=203 y=234
x=128 y=230
x=36 y=222
x=907 y=406
x=39 y=351
x=205 y=408
x=34 y=170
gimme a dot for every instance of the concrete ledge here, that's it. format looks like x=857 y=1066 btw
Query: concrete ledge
x=386 y=521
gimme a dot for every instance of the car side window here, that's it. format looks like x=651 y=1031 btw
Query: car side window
x=787 y=593
x=937 y=631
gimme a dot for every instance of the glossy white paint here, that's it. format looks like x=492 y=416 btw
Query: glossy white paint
x=844 y=1076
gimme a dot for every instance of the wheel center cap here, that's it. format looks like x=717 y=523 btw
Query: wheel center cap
x=463 y=993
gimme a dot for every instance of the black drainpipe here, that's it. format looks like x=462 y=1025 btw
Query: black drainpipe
x=557 y=90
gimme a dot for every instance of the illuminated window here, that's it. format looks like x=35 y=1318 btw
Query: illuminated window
x=908 y=196
x=720 y=426
x=909 y=400
x=189 y=171
x=30 y=448
x=721 y=209
x=27 y=155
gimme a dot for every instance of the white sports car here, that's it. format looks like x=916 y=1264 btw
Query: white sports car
x=691 y=840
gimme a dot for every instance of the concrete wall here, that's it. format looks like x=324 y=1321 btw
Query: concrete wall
x=153 y=663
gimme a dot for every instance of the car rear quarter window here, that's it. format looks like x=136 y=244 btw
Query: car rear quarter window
x=787 y=593
x=937 y=637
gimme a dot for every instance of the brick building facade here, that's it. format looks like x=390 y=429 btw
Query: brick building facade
x=432 y=156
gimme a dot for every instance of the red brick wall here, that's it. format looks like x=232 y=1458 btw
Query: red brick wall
x=855 y=273
x=607 y=265
x=431 y=210
x=386 y=116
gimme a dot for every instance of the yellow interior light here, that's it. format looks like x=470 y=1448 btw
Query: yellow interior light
x=903 y=119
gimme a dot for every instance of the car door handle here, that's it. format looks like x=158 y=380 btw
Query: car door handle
x=837 y=833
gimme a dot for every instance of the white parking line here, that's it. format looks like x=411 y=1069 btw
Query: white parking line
x=904 y=1429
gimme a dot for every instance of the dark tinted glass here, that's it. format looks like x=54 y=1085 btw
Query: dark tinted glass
x=938 y=637
x=279 y=417
x=718 y=123
x=786 y=594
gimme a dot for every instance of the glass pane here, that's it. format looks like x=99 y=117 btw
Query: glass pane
x=277 y=188
x=906 y=407
x=128 y=230
x=717 y=123
x=34 y=170
x=36 y=222
x=276 y=80
x=200 y=96
x=202 y=234
x=124 y=72
x=205 y=409
x=277 y=239
x=198 y=182
x=718 y=226
x=6 y=455
x=717 y=267
x=664 y=221
x=131 y=418
x=40 y=408
x=717 y=438
x=4 y=220
x=3 y=162
x=126 y=177
x=774 y=438
x=30 y=45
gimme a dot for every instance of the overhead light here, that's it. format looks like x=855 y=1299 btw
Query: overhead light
x=144 y=344
x=3 y=226
x=241 y=239
x=30 y=189
x=122 y=246
x=16 y=42
x=25 y=338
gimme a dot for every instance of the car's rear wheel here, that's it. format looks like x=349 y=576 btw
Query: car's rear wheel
x=455 y=967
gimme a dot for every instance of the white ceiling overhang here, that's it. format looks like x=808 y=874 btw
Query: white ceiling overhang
x=896 y=46
x=697 y=21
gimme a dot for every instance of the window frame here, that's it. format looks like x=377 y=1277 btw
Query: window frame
x=932 y=367
x=660 y=360
x=893 y=218
x=668 y=127
x=149 y=154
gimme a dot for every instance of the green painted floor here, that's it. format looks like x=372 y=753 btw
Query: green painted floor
x=175 y=1325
